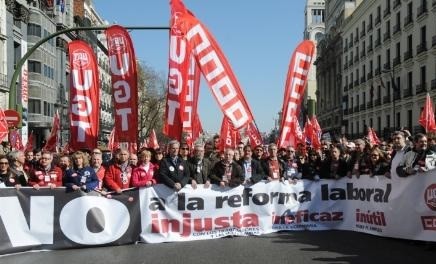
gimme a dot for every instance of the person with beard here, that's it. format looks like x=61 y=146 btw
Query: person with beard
x=253 y=172
x=199 y=167
x=419 y=159
x=117 y=176
x=173 y=170
x=227 y=173
x=45 y=174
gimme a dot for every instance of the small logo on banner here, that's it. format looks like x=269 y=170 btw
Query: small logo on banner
x=430 y=196
x=80 y=58
x=117 y=43
x=429 y=222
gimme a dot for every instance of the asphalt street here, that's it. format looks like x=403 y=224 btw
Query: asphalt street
x=284 y=247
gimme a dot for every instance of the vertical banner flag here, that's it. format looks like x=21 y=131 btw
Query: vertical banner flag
x=52 y=140
x=229 y=135
x=24 y=94
x=122 y=62
x=15 y=140
x=426 y=118
x=152 y=140
x=179 y=63
x=294 y=91
x=213 y=65
x=84 y=96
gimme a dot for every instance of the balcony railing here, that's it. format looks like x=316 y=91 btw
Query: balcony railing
x=387 y=66
x=433 y=40
x=408 y=55
x=3 y=80
x=362 y=79
x=369 y=48
x=396 y=61
x=397 y=28
x=377 y=72
x=397 y=3
x=421 y=88
x=377 y=20
x=369 y=76
x=422 y=10
x=363 y=106
x=421 y=47
x=407 y=93
x=377 y=102
x=377 y=42
x=433 y=84
x=408 y=20
x=387 y=99
x=386 y=12
x=369 y=27
x=387 y=35
x=369 y=105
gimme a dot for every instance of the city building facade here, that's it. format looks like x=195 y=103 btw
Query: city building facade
x=389 y=65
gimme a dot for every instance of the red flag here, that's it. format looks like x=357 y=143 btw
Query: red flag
x=426 y=118
x=30 y=141
x=294 y=90
x=122 y=62
x=212 y=64
x=84 y=96
x=229 y=135
x=308 y=131
x=372 y=137
x=254 y=135
x=52 y=140
x=4 y=129
x=152 y=141
x=144 y=143
x=316 y=133
x=15 y=140
x=112 y=144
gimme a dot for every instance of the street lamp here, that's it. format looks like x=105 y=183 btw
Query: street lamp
x=394 y=93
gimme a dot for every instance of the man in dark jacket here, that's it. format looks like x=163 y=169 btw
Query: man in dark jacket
x=174 y=171
x=199 y=167
x=227 y=172
x=251 y=168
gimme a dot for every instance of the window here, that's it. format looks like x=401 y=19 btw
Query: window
x=34 y=66
x=34 y=30
x=34 y=106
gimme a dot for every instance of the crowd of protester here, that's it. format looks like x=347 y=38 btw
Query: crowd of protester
x=182 y=164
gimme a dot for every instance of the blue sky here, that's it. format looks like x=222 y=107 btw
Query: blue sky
x=257 y=37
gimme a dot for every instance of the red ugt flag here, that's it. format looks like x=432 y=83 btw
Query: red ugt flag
x=427 y=116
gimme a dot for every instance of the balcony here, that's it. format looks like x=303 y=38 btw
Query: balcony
x=421 y=88
x=397 y=28
x=377 y=20
x=408 y=20
x=377 y=102
x=421 y=47
x=356 y=58
x=408 y=55
x=422 y=10
x=433 y=84
x=362 y=79
x=377 y=72
x=356 y=109
x=407 y=93
x=362 y=33
x=387 y=99
x=369 y=48
x=387 y=66
x=369 y=105
x=387 y=36
x=397 y=3
x=363 y=53
x=3 y=80
x=377 y=43
x=369 y=76
x=396 y=61
x=433 y=41
x=386 y=12
x=346 y=88
x=356 y=83
x=369 y=27
x=363 y=106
